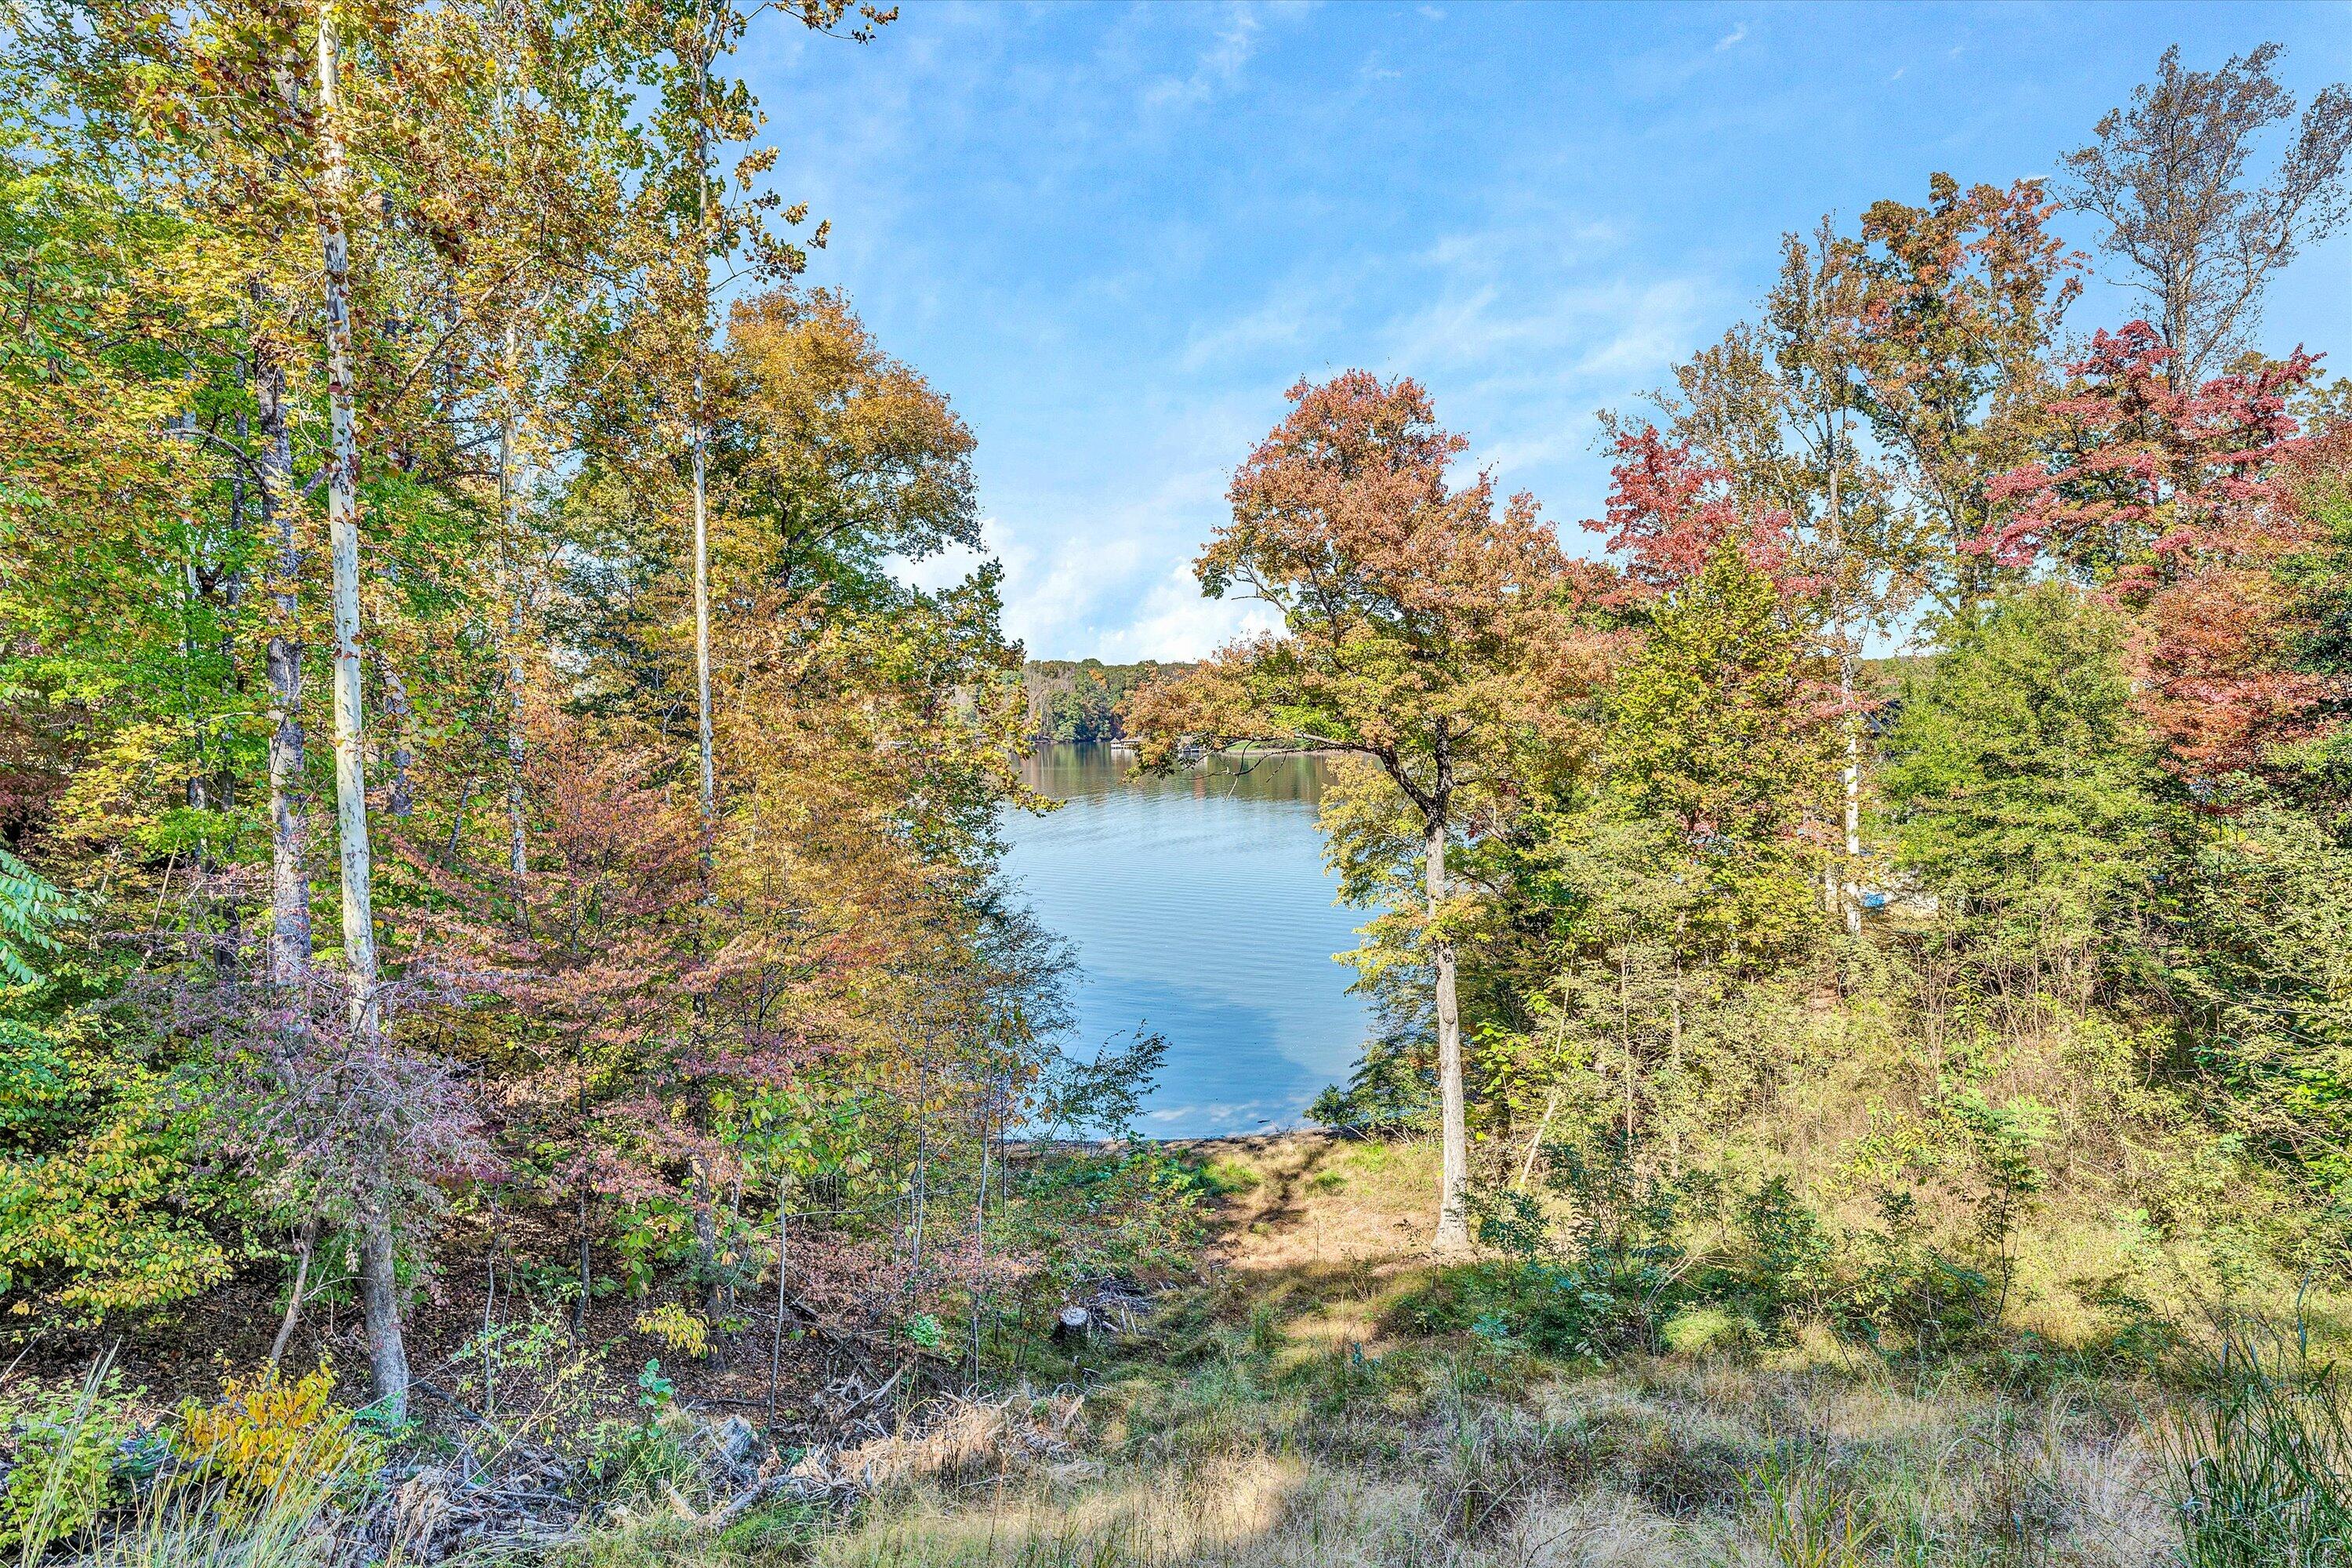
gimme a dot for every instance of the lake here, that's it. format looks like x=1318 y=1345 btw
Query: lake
x=1198 y=906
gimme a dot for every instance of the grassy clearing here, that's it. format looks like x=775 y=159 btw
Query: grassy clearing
x=1274 y=1420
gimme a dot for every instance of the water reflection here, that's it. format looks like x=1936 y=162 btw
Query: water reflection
x=1199 y=904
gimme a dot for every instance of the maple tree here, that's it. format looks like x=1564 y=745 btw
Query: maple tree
x=1422 y=629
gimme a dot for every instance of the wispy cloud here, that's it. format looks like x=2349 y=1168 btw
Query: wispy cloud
x=1217 y=67
x=1731 y=39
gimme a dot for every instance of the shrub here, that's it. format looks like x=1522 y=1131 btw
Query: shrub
x=1609 y=1281
x=677 y=1328
x=264 y=1434
x=1520 y=1301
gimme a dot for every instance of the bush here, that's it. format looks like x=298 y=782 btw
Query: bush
x=1902 y=1288
x=1529 y=1304
x=1609 y=1282
x=1136 y=1213
x=265 y=1434
x=1393 y=1091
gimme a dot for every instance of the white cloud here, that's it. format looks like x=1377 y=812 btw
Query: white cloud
x=1176 y=620
x=1731 y=39
x=1218 y=67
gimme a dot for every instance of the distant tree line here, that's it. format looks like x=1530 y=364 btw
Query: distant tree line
x=1075 y=702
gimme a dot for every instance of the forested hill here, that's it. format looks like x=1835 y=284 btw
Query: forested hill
x=1079 y=699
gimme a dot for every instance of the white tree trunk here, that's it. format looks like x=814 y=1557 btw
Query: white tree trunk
x=702 y=627
x=379 y=1292
x=510 y=501
x=1454 y=1183
x=344 y=539
x=701 y=435
x=1852 y=802
x=290 y=806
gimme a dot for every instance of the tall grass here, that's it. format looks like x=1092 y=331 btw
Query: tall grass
x=1804 y=1518
x=2261 y=1470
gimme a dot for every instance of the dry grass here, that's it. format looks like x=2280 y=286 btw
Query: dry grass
x=1273 y=1425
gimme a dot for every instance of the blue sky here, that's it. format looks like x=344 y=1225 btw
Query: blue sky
x=1113 y=234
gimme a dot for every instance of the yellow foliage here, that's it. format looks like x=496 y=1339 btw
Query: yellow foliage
x=677 y=1328
x=263 y=1432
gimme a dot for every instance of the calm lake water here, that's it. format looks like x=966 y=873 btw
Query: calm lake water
x=1198 y=906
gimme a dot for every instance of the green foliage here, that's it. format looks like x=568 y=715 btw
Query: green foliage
x=2261 y=917
x=2260 y=1469
x=1228 y=1178
x=1782 y=1263
x=1101 y=1093
x=2002 y=1140
x=1393 y=1089
x=1139 y=1212
x=1714 y=735
x=1620 y=1259
x=1079 y=702
x=96 y=1194
x=1900 y=1289
x=1603 y=1284
x=2020 y=786
x=29 y=908
x=72 y=1446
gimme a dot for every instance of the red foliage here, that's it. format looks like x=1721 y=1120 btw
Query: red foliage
x=2175 y=504
x=2139 y=477
x=1667 y=513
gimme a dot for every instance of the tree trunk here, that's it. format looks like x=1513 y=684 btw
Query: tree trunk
x=776 y=1337
x=703 y=633
x=1852 y=802
x=1675 y=1071
x=701 y=435
x=400 y=799
x=1625 y=1034
x=344 y=539
x=510 y=501
x=306 y=1241
x=706 y=1240
x=387 y=1356
x=379 y=1296
x=587 y=1277
x=1847 y=898
x=290 y=809
x=1454 y=1185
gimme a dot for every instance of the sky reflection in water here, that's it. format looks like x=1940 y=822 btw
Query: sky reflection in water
x=1198 y=905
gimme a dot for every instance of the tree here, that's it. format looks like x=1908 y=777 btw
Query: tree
x=2019 y=782
x=2170 y=177
x=1720 y=728
x=2183 y=505
x=1421 y=629
x=1960 y=300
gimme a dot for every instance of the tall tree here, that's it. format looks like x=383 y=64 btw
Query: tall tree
x=1961 y=300
x=2171 y=176
x=1421 y=628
